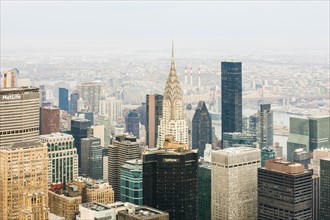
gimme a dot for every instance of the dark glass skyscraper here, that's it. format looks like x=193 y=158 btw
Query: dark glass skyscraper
x=170 y=182
x=154 y=113
x=265 y=126
x=63 y=99
x=73 y=102
x=91 y=155
x=325 y=189
x=79 y=130
x=132 y=121
x=204 y=191
x=201 y=128
x=231 y=93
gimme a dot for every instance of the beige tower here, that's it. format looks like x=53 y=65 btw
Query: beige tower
x=234 y=186
x=23 y=182
x=173 y=122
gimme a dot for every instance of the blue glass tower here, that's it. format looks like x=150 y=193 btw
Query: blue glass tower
x=63 y=99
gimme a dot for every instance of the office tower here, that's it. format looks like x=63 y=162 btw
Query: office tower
x=98 y=132
x=204 y=190
x=170 y=181
x=318 y=154
x=105 y=121
x=63 y=99
x=49 y=120
x=267 y=154
x=325 y=189
x=234 y=183
x=100 y=192
x=62 y=157
x=173 y=121
x=124 y=147
x=298 y=136
x=316 y=197
x=201 y=128
x=79 y=130
x=90 y=92
x=265 y=126
x=132 y=121
x=154 y=113
x=86 y=115
x=301 y=156
x=319 y=132
x=19 y=114
x=42 y=90
x=24 y=171
x=9 y=78
x=231 y=93
x=91 y=158
x=143 y=113
x=231 y=139
x=284 y=191
x=105 y=162
x=142 y=213
x=74 y=97
x=253 y=124
x=111 y=107
x=64 y=203
x=131 y=189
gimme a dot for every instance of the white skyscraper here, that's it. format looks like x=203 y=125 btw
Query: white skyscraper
x=173 y=122
x=234 y=185
x=9 y=78
x=111 y=107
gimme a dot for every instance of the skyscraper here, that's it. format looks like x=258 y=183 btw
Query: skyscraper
x=90 y=92
x=131 y=189
x=124 y=147
x=284 y=191
x=325 y=189
x=173 y=121
x=204 y=191
x=62 y=156
x=319 y=132
x=265 y=126
x=111 y=107
x=9 y=78
x=231 y=93
x=201 y=128
x=74 y=97
x=49 y=120
x=154 y=113
x=143 y=113
x=170 y=181
x=91 y=155
x=79 y=130
x=19 y=114
x=234 y=183
x=63 y=97
x=132 y=121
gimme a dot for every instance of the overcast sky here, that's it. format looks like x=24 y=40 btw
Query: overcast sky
x=151 y=25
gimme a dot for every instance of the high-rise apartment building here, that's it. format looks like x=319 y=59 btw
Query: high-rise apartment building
x=231 y=93
x=98 y=132
x=325 y=189
x=173 y=121
x=154 y=113
x=24 y=171
x=111 y=107
x=132 y=121
x=284 y=191
x=170 y=181
x=62 y=157
x=90 y=92
x=79 y=130
x=74 y=97
x=63 y=99
x=234 y=183
x=91 y=158
x=19 y=114
x=105 y=121
x=9 y=78
x=201 y=128
x=265 y=126
x=131 y=189
x=49 y=120
x=124 y=147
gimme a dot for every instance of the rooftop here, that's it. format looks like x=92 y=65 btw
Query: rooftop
x=284 y=166
x=142 y=211
x=55 y=136
x=95 y=206
x=17 y=89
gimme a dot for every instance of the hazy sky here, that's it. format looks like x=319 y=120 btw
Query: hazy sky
x=223 y=25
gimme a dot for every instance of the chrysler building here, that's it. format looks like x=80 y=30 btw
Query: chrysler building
x=173 y=123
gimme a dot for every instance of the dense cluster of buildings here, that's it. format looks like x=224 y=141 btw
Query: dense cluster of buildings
x=85 y=159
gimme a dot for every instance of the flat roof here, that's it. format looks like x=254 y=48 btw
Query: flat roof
x=95 y=206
